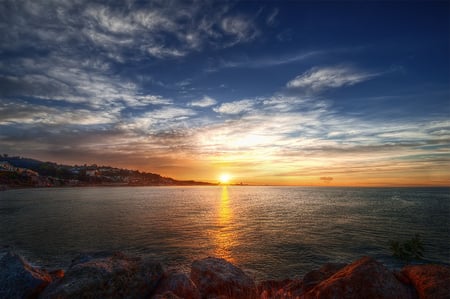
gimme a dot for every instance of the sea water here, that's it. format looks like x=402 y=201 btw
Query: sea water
x=272 y=232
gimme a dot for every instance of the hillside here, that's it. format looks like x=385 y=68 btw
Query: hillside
x=19 y=172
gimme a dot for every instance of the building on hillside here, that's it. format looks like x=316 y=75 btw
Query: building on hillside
x=92 y=172
x=5 y=166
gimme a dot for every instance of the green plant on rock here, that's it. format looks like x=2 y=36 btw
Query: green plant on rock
x=408 y=250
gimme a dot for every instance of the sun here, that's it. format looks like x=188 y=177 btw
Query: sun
x=224 y=178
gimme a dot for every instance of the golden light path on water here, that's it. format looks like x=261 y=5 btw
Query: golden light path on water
x=225 y=238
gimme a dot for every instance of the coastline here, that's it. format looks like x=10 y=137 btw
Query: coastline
x=116 y=275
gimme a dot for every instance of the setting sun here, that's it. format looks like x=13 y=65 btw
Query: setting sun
x=224 y=178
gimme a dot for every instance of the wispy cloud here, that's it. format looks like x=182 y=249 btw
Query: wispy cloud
x=162 y=52
x=265 y=62
x=271 y=18
x=236 y=107
x=15 y=112
x=329 y=77
x=161 y=31
x=203 y=102
x=242 y=28
x=283 y=58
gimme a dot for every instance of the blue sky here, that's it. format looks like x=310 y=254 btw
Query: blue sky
x=289 y=92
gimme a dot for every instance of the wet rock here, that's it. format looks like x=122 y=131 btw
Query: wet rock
x=402 y=278
x=273 y=288
x=314 y=277
x=167 y=295
x=113 y=276
x=295 y=288
x=180 y=285
x=55 y=274
x=292 y=290
x=217 y=278
x=18 y=279
x=430 y=281
x=365 y=278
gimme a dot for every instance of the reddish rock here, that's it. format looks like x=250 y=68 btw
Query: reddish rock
x=314 y=277
x=365 y=278
x=292 y=290
x=180 y=285
x=114 y=276
x=273 y=288
x=55 y=274
x=18 y=279
x=430 y=281
x=166 y=295
x=217 y=278
x=402 y=277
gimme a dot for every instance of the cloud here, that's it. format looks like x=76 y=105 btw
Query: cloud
x=203 y=102
x=157 y=121
x=242 y=28
x=265 y=62
x=326 y=179
x=13 y=113
x=73 y=80
x=236 y=107
x=318 y=79
x=144 y=100
x=161 y=52
x=167 y=31
x=171 y=113
x=271 y=18
x=254 y=62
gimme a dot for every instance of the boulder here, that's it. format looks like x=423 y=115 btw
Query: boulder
x=273 y=288
x=180 y=285
x=217 y=278
x=292 y=290
x=295 y=288
x=107 y=276
x=365 y=278
x=166 y=295
x=430 y=281
x=314 y=277
x=18 y=279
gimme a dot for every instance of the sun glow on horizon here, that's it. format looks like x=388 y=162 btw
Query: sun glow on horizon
x=224 y=178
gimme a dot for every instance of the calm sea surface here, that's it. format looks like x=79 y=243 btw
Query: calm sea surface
x=273 y=232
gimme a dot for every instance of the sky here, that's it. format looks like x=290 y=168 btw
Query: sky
x=270 y=92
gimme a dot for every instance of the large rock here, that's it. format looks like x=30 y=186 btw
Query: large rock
x=217 y=278
x=18 y=279
x=314 y=277
x=430 y=281
x=180 y=285
x=166 y=295
x=365 y=278
x=107 y=276
x=287 y=288
x=269 y=289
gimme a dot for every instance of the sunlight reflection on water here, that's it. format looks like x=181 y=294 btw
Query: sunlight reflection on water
x=276 y=231
x=225 y=237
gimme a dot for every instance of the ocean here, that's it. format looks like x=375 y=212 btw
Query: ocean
x=271 y=232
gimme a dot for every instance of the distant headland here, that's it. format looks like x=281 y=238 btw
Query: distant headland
x=21 y=172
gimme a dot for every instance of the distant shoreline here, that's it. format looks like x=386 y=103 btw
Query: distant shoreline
x=6 y=187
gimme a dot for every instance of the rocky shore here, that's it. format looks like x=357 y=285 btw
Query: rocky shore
x=102 y=275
